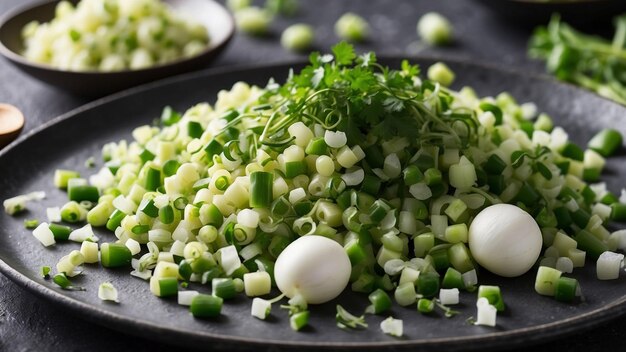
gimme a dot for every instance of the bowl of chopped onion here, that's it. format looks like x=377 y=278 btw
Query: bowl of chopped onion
x=96 y=47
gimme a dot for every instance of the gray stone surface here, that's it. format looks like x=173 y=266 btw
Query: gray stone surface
x=30 y=324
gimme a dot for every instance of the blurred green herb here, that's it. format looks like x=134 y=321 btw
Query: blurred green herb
x=589 y=61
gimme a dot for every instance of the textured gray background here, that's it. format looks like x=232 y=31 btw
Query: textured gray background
x=29 y=324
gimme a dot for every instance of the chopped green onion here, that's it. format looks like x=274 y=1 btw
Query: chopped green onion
x=380 y=302
x=63 y=282
x=206 y=306
x=493 y=295
x=45 y=272
x=425 y=305
x=60 y=232
x=31 y=224
x=261 y=189
x=61 y=177
x=299 y=320
x=224 y=288
x=114 y=255
x=566 y=289
x=606 y=142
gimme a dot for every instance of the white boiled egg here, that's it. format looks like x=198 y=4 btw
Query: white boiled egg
x=315 y=267
x=505 y=240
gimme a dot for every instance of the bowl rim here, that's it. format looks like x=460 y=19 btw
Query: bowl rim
x=20 y=59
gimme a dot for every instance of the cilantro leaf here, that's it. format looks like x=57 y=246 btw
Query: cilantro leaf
x=344 y=53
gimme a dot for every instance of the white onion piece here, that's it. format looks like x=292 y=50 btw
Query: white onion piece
x=335 y=139
x=84 y=233
x=486 y=313
x=248 y=218
x=296 y=195
x=505 y=240
x=107 y=292
x=608 y=265
x=353 y=176
x=394 y=266
x=314 y=267
x=260 y=308
x=391 y=326
x=229 y=259
x=185 y=297
x=564 y=265
x=449 y=296
x=420 y=191
x=133 y=246
x=470 y=278
x=53 y=214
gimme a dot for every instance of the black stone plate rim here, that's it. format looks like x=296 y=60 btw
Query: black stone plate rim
x=11 y=55
x=94 y=314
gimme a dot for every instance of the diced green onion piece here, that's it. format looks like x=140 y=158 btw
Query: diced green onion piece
x=428 y=284
x=425 y=305
x=169 y=116
x=45 y=272
x=115 y=219
x=170 y=167
x=606 y=142
x=180 y=203
x=295 y=168
x=72 y=212
x=62 y=281
x=452 y=279
x=60 y=232
x=405 y=294
x=566 y=289
x=299 y=320
x=494 y=165
x=380 y=302
x=618 y=212
x=166 y=214
x=412 y=175
x=261 y=189
x=153 y=179
x=546 y=280
x=62 y=176
x=590 y=244
x=99 y=215
x=31 y=224
x=572 y=151
x=164 y=286
x=114 y=255
x=224 y=288
x=147 y=207
x=146 y=156
x=194 y=129
x=316 y=146
x=493 y=295
x=423 y=243
x=439 y=257
x=81 y=193
x=494 y=109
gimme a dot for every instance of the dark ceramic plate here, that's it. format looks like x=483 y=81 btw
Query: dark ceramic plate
x=218 y=21
x=69 y=140
x=579 y=12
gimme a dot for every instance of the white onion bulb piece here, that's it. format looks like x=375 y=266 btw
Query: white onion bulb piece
x=315 y=267
x=505 y=240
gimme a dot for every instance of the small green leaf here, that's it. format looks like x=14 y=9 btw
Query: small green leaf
x=344 y=53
